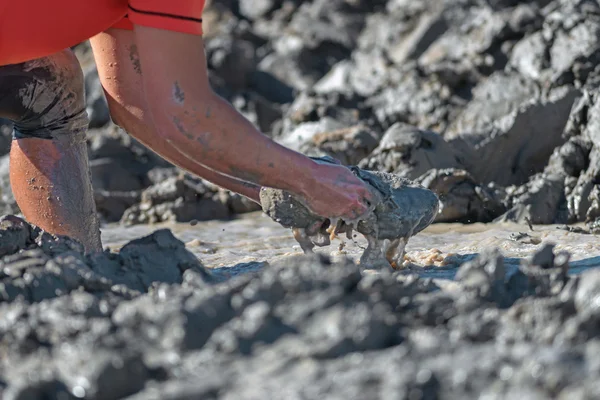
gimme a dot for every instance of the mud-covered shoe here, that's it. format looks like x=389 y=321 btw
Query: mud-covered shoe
x=403 y=209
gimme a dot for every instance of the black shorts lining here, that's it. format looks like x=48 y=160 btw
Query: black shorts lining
x=159 y=14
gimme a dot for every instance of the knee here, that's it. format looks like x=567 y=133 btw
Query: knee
x=53 y=98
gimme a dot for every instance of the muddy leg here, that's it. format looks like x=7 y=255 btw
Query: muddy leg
x=52 y=187
x=49 y=170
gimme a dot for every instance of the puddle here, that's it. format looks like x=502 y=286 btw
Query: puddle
x=436 y=252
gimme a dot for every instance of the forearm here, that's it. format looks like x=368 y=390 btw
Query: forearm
x=216 y=135
x=139 y=128
x=117 y=59
x=187 y=113
x=206 y=128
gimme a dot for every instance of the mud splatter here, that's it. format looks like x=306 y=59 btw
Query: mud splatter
x=134 y=57
x=181 y=128
x=178 y=94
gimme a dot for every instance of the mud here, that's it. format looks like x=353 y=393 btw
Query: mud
x=491 y=105
x=182 y=198
x=462 y=198
x=401 y=210
x=409 y=152
x=151 y=322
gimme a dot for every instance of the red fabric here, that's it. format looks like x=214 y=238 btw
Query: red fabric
x=31 y=29
x=125 y=23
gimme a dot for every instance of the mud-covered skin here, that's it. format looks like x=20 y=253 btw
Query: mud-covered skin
x=44 y=97
x=402 y=210
x=50 y=173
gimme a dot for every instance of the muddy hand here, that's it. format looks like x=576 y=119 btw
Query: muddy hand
x=318 y=234
x=338 y=193
x=314 y=235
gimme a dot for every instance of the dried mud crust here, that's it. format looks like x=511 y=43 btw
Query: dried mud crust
x=401 y=210
x=151 y=323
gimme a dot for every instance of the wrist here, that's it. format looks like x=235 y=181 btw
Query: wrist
x=304 y=177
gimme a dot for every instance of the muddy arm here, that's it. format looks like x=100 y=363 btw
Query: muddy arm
x=207 y=129
x=117 y=59
x=200 y=124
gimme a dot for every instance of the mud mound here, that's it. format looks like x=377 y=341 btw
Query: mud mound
x=151 y=323
x=36 y=265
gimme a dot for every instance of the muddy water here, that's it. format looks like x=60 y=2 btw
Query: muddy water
x=245 y=244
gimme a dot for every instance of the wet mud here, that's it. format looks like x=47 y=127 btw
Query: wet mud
x=401 y=209
x=150 y=321
x=492 y=106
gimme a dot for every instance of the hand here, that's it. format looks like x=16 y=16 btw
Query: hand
x=337 y=193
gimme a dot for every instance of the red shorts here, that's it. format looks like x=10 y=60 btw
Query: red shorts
x=32 y=29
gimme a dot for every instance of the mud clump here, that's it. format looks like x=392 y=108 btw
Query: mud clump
x=37 y=265
x=409 y=152
x=401 y=210
x=150 y=322
x=183 y=198
x=462 y=198
x=349 y=145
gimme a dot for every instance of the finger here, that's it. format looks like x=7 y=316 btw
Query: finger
x=360 y=211
x=315 y=227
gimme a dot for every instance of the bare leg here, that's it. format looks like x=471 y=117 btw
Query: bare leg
x=121 y=76
x=51 y=184
x=49 y=170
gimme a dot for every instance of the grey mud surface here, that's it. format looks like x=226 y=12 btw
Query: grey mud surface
x=152 y=321
x=491 y=104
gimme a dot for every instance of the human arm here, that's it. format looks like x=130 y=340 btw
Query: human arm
x=117 y=61
x=203 y=126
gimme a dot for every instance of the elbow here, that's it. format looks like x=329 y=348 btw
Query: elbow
x=127 y=116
